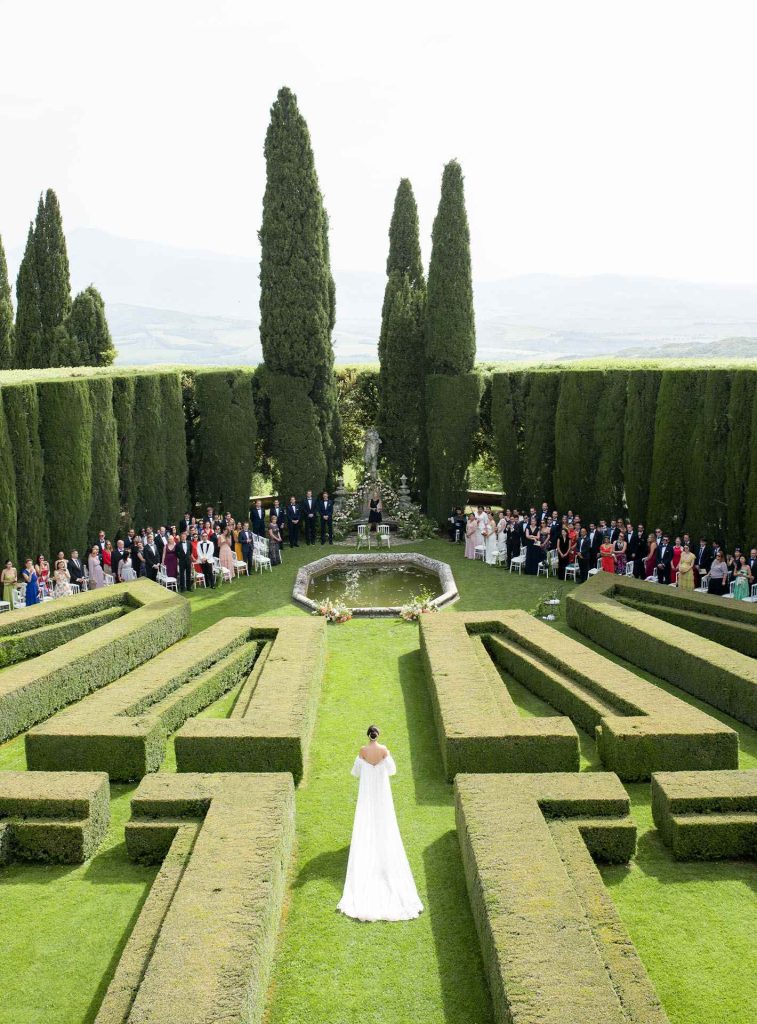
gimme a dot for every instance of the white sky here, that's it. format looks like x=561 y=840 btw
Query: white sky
x=594 y=137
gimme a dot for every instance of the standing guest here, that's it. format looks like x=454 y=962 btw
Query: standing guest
x=717 y=583
x=490 y=541
x=544 y=514
x=245 y=539
x=161 y=538
x=126 y=571
x=308 y=512
x=106 y=558
x=502 y=535
x=471 y=529
x=29 y=576
x=215 y=539
x=554 y=530
x=258 y=519
x=753 y=563
x=326 y=512
x=457 y=523
x=100 y=545
x=686 y=569
x=641 y=550
x=117 y=557
x=226 y=555
x=704 y=558
x=564 y=552
x=170 y=560
x=205 y=558
x=293 y=522
x=480 y=518
x=236 y=533
x=61 y=580
x=76 y=570
x=151 y=557
x=96 y=574
x=186 y=523
x=743 y=583
x=514 y=537
x=650 y=561
x=274 y=541
x=138 y=558
x=585 y=555
x=277 y=511
x=620 y=547
x=184 y=562
x=545 y=537
x=131 y=538
x=43 y=573
x=375 y=509
x=9 y=578
x=534 y=550
x=607 y=555
x=664 y=560
x=677 y=552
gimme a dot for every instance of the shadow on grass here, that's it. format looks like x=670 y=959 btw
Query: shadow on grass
x=330 y=866
x=102 y=988
x=425 y=757
x=461 y=972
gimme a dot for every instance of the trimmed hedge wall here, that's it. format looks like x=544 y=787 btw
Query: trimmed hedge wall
x=21 y=404
x=451 y=423
x=59 y=817
x=272 y=723
x=707 y=815
x=30 y=644
x=722 y=677
x=478 y=725
x=203 y=946
x=36 y=689
x=122 y=729
x=553 y=945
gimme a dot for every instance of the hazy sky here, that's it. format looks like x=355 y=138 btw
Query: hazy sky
x=594 y=137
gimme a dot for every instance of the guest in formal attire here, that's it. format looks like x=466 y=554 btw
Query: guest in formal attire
x=184 y=562
x=126 y=571
x=607 y=554
x=620 y=548
x=226 y=555
x=677 y=552
x=514 y=537
x=326 y=512
x=138 y=558
x=96 y=574
x=43 y=573
x=308 y=514
x=294 y=517
x=274 y=542
x=584 y=555
x=534 y=550
x=686 y=569
x=743 y=580
x=29 y=576
x=9 y=579
x=374 y=511
x=205 y=558
x=457 y=524
x=75 y=568
x=151 y=557
x=490 y=542
x=116 y=558
x=753 y=563
x=170 y=560
x=471 y=529
x=564 y=552
x=704 y=558
x=245 y=540
x=650 y=560
x=502 y=536
x=258 y=519
x=718 y=581
x=664 y=556
x=61 y=580
x=106 y=558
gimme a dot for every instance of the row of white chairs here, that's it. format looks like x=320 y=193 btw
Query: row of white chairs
x=383 y=535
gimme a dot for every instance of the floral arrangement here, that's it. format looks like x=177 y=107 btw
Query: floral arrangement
x=421 y=604
x=548 y=606
x=333 y=612
x=411 y=522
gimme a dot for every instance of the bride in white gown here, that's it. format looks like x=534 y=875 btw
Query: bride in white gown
x=379 y=884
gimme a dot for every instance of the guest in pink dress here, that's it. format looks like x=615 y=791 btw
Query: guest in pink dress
x=471 y=533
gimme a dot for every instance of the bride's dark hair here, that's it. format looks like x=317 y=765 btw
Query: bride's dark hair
x=373 y=732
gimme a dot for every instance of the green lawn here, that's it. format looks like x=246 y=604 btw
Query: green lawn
x=693 y=924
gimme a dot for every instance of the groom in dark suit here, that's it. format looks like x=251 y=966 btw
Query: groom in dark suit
x=308 y=514
x=326 y=512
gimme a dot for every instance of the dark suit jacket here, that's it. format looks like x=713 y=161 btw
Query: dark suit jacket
x=151 y=557
x=306 y=512
x=257 y=519
x=704 y=558
x=183 y=557
x=586 y=549
x=245 y=539
x=115 y=560
x=325 y=508
x=664 y=555
x=74 y=571
x=293 y=515
x=278 y=512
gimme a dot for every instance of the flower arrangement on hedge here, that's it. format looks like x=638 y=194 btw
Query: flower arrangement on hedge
x=421 y=604
x=411 y=522
x=333 y=611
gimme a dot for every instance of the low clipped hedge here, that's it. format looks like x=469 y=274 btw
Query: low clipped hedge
x=478 y=725
x=272 y=722
x=123 y=728
x=20 y=646
x=57 y=817
x=553 y=945
x=737 y=636
x=639 y=728
x=203 y=946
x=34 y=690
x=706 y=815
x=718 y=675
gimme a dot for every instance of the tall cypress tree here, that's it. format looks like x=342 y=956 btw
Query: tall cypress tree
x=7 y=494
x=507 y=428
x=401 y=340
x=28 y=338
x=22 y=413
x=104 y=505
x=53 y=278
x=638 y=441
x=91 y=342
x=6 y=315
x=297 y=304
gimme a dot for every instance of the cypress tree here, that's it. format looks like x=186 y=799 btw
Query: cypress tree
x=7 y=494
x=21 y=406
x=225 y=437
x=150 y=505
x=576 y=449
x=705 y=467
x=297 y=299
x=750 y=469
x=66 y=435
x=104 y=506
x=174 y=447
x=91 y=342
x=450 y=324
x=51 y=259
x=609 y=429
x=677 y=410
x=451 y=422
x=6 y=315
x=736 y=456
x=28 y=335
x=540 y=391
x=123 y=409
x=507 y=427
x=294 y=419
x=638 y=441
x=404 y=254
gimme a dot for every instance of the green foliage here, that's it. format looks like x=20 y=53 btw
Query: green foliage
x=7 y=494
x=537 y=454
x=507 y=427
x=638 y=443
x=104 y=507
x=124 y=388
x=173 y=445
x=30 y=644
x=21 y=407
x=451 y=423
x=678 y=406
x=576 y=447
x=707 y=815
x=705 y=466
x=404 y=257
x=298 y=455
x=358 y=396
x=88 y=329
x=53 y=279
x=29 y=350
x=66 y=436
x=609 y=430
x=150 y=504
x=450 y=322
x=7 y=352
x=736 y=456
x=225 y=433
x=750 y=504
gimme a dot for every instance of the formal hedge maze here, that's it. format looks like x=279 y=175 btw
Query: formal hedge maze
x=638 y=728
x=704 y=645
x=707 y=815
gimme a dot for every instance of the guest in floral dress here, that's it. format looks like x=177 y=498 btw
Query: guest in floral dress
x=226 y=552
x=61 y=579
x=621 y=550
x=274 y=541
x=686 y=569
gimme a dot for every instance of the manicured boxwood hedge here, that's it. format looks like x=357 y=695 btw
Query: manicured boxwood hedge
x=34 y=690
x=203 y=945
x=553 y=946
x=478 y=725
x=59 y=817
x=706 y=815
x=19 y=646
x=722 y=677
x=273 y=719
x=122 y=729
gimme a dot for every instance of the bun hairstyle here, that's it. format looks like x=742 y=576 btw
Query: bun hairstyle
x=373 y=732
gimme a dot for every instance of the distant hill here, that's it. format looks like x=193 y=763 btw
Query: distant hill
x=187 y=306
x=730 y=348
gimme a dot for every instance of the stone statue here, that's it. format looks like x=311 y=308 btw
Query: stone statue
x=371 y=450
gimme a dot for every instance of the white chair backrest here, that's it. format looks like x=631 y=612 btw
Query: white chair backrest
x=362 y=529
x=382 y=528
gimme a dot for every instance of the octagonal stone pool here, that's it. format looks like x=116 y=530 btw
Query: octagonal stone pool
x=374 y=584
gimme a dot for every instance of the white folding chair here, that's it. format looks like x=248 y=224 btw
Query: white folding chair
x=5 y=606
x=479 y=552
x=240 y=567
x=199 y=577
x=629 y=568
x=75 y=589
x=571 y=571
x=260 y=558
x=597 y=568
x=222 y=571
x=518 y=562
x=363 y=536
x=109 y=579
x=702 y=588
x=384 y=534
x=19 y=596
x=169 y=582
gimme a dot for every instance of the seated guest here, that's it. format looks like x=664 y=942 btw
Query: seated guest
x=718 y=581
x=29 y=576
x=96 y=574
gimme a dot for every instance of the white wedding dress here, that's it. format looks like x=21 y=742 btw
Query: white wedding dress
x=379 y=884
